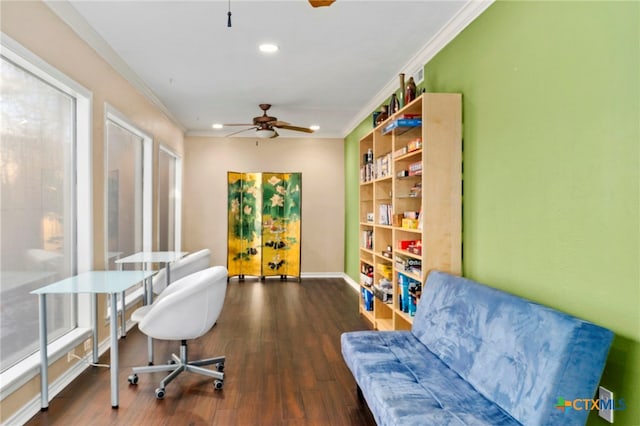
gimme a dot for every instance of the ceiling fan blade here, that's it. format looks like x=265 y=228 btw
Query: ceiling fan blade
x=240 y=131
x=279 y=123
x=238 y=124
x=294 y=128
x=320 y=3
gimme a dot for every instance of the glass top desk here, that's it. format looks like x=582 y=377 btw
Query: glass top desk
x=147 y=258
x=93 y=282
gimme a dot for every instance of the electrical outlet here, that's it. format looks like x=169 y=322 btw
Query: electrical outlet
x=87 y=345
x=606 y=401
x=70 y=355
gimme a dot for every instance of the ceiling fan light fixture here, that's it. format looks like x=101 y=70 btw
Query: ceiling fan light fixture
x=265 y=133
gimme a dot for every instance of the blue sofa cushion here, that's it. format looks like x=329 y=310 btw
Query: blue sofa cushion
x=405 y=384
x=521 y=355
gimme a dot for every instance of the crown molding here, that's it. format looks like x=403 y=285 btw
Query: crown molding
x=69 y=15
x=469 y=12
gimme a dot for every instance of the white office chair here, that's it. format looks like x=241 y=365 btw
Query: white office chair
x=187 y=309
x=189 y=264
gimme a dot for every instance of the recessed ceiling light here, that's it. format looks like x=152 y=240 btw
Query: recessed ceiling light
x=217 y=126
x=268 y=48
x=314 y=127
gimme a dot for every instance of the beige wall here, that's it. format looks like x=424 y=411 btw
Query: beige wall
x=321 y=162
x=38 y=29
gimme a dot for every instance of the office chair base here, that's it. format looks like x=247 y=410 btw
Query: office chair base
x=179 y=364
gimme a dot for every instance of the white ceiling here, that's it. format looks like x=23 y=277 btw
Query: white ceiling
x=334 y=66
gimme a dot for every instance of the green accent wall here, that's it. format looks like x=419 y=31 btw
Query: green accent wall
x=551 y=212
x=351 y=193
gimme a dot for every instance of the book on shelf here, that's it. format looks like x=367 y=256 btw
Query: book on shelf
x=383 y=166
x=367 y=239
x=385 y=212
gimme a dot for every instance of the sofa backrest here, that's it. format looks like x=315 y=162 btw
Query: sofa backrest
x=523 y=356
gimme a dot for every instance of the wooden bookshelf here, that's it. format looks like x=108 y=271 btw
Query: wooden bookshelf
x=406 y=176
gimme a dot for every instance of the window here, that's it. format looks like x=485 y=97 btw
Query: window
x=124 y=192
x=127 y=191
x=168 y=200
x=44 y=130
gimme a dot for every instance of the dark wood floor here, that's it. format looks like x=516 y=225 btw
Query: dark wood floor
x=283 y=367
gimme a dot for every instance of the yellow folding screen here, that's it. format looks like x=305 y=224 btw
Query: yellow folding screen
x=264 y=224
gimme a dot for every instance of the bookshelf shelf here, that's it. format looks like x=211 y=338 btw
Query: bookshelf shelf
x=420 y=162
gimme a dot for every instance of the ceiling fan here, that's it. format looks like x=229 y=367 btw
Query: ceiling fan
x=265 y=125
x=320 y=3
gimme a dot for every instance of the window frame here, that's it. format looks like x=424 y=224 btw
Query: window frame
x=114 y=115
x=177 y=237
x=82 y=204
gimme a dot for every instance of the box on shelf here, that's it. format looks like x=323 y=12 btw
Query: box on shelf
x=366 y=274
x=412 y=246
x=402 y=122
x=414 y=144
x=407 y=287
x=384 y=270
x=404 y=244
x=416 y=190
x=367 y=299
x=400 y=152
x=416 y=249
x=415 y=291
x=397 y=219
x=415 y=169
x=410 y=214
x=383 y=291
x=409 y=116
x=409 y=264
x=370 y=217
x=366 y=280
x=410 y=223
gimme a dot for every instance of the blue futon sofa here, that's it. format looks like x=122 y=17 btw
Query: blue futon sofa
x=478 y=356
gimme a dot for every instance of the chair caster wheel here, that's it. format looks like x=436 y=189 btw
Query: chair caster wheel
x=133 y=379
x=217 y=384
x=159 y=393
x=171 y=361
x=220 y=366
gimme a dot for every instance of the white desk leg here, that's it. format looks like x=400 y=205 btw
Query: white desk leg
x=149 y=301
x=114 y=351
x=44 y=367
x=123 y=327
x=94 y=323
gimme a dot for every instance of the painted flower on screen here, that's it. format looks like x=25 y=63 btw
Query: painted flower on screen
x=274 y=180
x=277 y=200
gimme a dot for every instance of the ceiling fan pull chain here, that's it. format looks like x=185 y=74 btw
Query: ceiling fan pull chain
x=229 y=15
